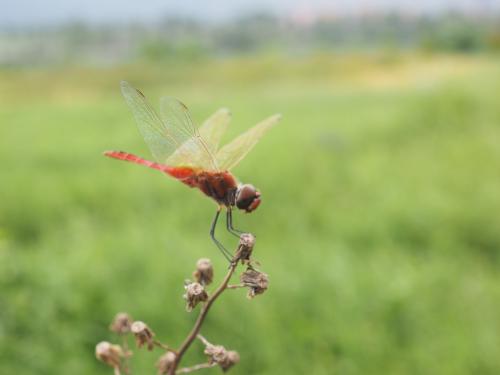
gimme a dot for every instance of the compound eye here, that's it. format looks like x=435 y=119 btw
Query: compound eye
x=246 y=198
x=255 y=203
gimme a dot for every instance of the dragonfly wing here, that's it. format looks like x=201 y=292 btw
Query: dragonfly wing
x=232 y=153
x=192 y=149
x=212 y=130
x=158 y=137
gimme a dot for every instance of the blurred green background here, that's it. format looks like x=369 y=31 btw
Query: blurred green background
x=379 y=227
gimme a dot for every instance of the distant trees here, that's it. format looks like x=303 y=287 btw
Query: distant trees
x=186 y=39
x=456 y=33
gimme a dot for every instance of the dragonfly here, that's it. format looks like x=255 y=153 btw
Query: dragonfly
x=192 y=155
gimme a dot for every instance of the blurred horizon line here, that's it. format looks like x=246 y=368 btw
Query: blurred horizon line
x=187 y=39
x=300 y=13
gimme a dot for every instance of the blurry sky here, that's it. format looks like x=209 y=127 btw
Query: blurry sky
x=43 y=12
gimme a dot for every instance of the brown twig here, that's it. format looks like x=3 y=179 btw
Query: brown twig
x=126 y=366
x=203 y=340
x=186 y=370
x=163 y=346
x=245 y=246
x=235 y=286
x=116 y=356
x=201 y=318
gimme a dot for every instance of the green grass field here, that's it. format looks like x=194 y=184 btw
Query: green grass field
x=379 y=227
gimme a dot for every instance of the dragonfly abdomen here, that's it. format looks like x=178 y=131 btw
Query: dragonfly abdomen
x=121 y=155
x=221 y=186
x=185 y=174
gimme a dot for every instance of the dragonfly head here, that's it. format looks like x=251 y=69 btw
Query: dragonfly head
x=247 y=197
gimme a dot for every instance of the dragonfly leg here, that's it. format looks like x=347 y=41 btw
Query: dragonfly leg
x=222 y=249
x=229 y=224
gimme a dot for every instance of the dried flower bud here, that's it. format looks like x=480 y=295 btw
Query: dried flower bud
x=256 y=281
x=244 y=251
x=121 y=323
x=231 y=359
x=195 y=293
x=165 y=363
x=204 y=273
x=109 y=354
x=224 y=358
x=143 y=335
x=216 y=353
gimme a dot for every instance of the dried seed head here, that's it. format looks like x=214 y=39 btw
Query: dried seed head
x=143 y=335
x=244 y=251
x=232 y=358
x=204 y=273
x=109 y=354
x=165 y=363
x=224 y=358
x=216 y=353
x=195 y=293
x=256 y=281
x=121 y=323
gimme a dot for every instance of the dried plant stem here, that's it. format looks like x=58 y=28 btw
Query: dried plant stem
x=236 y=286
x=201 y=318
x=186 y=370
x=203 y=340
x=117 y=356
x=126 y=367
x=163 y=346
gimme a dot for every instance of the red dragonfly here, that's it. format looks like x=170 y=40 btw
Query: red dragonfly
x=192 y=155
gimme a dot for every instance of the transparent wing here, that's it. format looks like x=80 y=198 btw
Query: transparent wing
x=212 y=130
x=192 y=149
x=158 y=137
x=232 y=153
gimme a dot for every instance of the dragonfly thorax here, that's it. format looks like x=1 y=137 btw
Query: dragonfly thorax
x=224 y=189
x=221 y=186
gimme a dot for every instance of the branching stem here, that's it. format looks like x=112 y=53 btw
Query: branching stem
x=244 y=247
x=186 y=370
x=126 y=368
x=236 y=286
x=201 y=317
x=163 y=346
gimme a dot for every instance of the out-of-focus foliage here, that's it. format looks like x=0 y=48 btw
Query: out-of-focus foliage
x=378 y=228
x=183 y=39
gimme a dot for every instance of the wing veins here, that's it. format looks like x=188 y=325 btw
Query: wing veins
x=232 y=153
